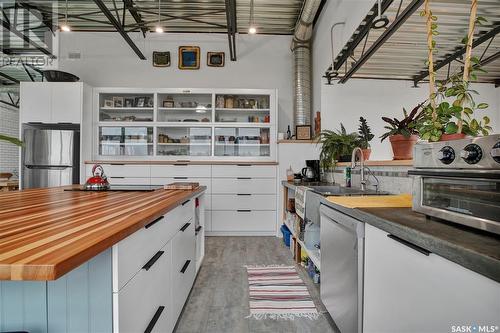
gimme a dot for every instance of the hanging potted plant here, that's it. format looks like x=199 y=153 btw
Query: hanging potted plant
x=365 y=135
x=337 y=146
x=452 y=118
x=402 y=133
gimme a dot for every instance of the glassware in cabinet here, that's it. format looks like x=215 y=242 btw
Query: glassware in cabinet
x=184 y=141
x=125 y=141
x=242 y=108
x=242 y=141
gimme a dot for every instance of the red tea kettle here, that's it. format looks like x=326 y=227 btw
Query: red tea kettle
x=98 y=181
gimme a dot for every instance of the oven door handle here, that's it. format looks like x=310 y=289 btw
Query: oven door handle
x=442 y=173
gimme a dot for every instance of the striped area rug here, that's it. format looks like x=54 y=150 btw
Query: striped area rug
x=278 y=292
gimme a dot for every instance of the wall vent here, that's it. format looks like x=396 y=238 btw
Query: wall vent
x=74 y=55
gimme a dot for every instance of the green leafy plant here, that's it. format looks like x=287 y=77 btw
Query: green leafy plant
x=334 y=145
x=365 y=134
x=406 y=126
x=10 y=139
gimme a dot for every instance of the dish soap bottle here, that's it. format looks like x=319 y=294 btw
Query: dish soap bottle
x=348 y=176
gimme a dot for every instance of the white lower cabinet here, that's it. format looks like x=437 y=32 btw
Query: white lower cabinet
x=249 y=221
x=408 y=291
x=153 y=272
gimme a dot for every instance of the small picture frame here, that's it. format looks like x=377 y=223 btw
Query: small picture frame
x=108 y=103
x=189 y=57
x=303 y=132
x=118 y=102
x=168 y=104
x=129 y=102
x=215 y=59
x=148 y=102
x=161 y=59
x=140 y=102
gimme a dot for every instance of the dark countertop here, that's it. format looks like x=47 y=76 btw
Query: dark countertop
x=475 y=250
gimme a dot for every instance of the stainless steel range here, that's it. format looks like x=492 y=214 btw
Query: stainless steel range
x=459 y=181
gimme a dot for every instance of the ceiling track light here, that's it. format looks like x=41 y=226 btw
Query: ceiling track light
x=251 y=26
x=65 y=26
x=159 y=28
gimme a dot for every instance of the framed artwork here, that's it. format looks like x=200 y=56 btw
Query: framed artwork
x=303 y=132
x=108 y=103
x=215 y=59
x=161 y=59
x=139 y=101
x=118 y=102
x=129 y=102
x=189 y=57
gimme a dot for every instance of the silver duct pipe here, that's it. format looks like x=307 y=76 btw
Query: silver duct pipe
x=301 y=49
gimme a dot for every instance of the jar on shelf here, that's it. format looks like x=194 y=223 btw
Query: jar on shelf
x=229 y=102
x=219 y=102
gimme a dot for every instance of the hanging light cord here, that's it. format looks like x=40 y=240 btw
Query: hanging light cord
x=251 y=14
x=159 y=11
x=66 y=14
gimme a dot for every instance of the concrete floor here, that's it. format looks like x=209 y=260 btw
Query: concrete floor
x=219 y=299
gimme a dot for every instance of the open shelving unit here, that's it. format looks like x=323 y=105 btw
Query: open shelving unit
x=215 y=124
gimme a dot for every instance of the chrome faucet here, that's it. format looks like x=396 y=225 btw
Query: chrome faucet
x=361 y=166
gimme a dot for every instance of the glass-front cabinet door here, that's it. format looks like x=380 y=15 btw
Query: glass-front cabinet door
x=184 y=141
x=242 y=108
x=125 y=141
x=187 y=108
x=126 y=107
x=242 y=141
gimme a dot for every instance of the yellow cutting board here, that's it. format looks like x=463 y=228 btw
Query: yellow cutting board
x=373 y=201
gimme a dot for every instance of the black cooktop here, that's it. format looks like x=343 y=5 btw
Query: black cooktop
x=140 y=188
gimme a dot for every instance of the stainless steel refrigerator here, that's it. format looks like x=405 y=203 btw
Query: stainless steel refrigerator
x=50 y=156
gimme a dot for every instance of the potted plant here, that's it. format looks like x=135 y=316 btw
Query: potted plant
x=365 y=135
x=336 y=147
x=11 y=140
x=402 y=133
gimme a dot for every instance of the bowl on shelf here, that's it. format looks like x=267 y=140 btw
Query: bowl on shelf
x=59 y=76
x=5 y=176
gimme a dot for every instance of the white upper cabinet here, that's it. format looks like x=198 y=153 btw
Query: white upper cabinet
x=51 y=102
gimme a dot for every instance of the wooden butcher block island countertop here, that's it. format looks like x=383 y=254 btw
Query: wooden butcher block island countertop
x=45 y=233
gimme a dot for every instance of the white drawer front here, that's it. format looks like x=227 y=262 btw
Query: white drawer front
x=243 y=186
x=244 y=170
x=243 y=221
x=252 y=201
x=123 y=170
x=167 y=180
x=180 y=170
x=136 y=304
x=130 y=254
x=128 y=181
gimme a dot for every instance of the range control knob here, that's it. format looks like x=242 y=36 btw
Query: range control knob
x=495 y=152
x=446 y=155
x=471 y=154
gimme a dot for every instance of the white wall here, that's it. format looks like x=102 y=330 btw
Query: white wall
x=107 y=61
x=9 y=153
x=373 y=99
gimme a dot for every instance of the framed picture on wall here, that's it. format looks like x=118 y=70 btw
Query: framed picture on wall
x=161 y=59
x=215 y=59
x=303 y=132
x=189 y=57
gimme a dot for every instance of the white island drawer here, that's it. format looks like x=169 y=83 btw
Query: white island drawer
x=244 y=170
x=122 y=170
x=243 y=186
x=180 y=170
x=243 y=221
x=244 y=201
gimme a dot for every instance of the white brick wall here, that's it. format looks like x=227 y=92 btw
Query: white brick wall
x=9 y=153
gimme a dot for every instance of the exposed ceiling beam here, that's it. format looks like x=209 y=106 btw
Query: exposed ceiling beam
x=119 y=28
x=398 y=21
x=129 y=4
x=231 y=27
x=7 y=26
x=42 y=16
x=8 y=77
x=457 y=54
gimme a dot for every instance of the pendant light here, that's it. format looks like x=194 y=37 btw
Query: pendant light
x=381 y=21
x=159 y=28
x=65 y=26
x=251 y=27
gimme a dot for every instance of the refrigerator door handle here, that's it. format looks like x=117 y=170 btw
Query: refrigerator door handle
x=52 y=167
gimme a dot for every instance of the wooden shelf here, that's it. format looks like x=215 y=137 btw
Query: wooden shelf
x=314 y=255
x=381 y=163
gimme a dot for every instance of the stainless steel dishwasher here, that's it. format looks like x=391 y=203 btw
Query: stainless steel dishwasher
x=342 y=257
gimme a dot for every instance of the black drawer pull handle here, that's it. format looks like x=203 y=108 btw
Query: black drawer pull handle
x=150 y=224
x=155 y=318
x=185 y=226
x=243 y=210
x=185 y=202
x=410 y=245
x=245 y=178
x=246 y=194
x=116 y=164
x=180 y=177
x=180 y=164
x=152 y=261
x=117 y=177
x=198 y=228
x=243 y=165
x=185 y=267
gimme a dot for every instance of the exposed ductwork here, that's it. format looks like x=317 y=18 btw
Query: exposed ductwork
x=301 y=49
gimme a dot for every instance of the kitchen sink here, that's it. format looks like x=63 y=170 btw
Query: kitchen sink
x=336 y=190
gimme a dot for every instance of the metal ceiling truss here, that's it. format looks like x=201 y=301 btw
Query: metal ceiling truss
x=232 y=27
x=455 y=56
x=130 y=6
